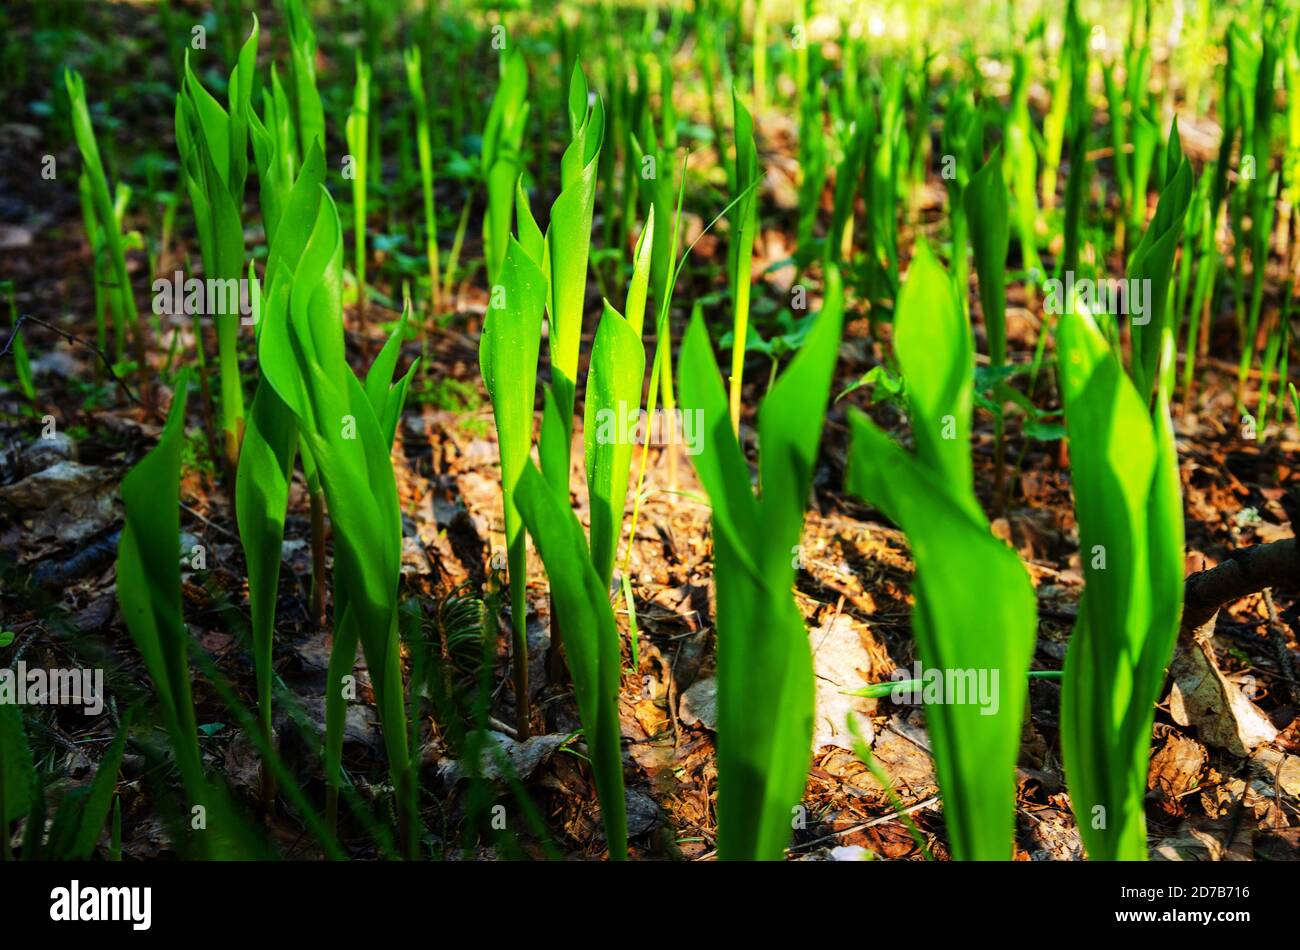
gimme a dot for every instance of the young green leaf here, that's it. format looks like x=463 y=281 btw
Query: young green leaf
x=591 y=643
x=301 y=353
x=424 y=150
x=213 y=146
x=986 y=201
x=90 y=810
x=1128 y=501
x=740 y=252
x=502 y=160
x=1152 y=264
x=149 y=587
x=568 y=242
x=613 y=400
x=308 y=113
x=261 y=497
x=931 y=497
x=358 y=137
x=17 y=771
x=110 y=228
x=508 y=348
x=765 y=674
x=1020 y=163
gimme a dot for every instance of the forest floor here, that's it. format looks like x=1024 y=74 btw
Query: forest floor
x=1223 y=784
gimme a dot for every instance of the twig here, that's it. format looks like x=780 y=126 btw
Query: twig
x=209 y=523
x=1247 y=571
x=882 y=820
x=72 y=338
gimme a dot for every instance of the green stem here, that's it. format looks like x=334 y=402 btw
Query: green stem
x=517 y=555
x=343 y=654
x=232 y=392
x=741 y=329
x=318 y=556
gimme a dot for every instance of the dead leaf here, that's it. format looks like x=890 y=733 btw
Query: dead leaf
x=1269 y=767
x=1203 y=697
x=67 y=501
x=1054 y=834
x=523 y=757
x=841 y=664
x=1176 y=768
x=699 y=704
x=643 y=812
x=651 y=717
x=1203 y=839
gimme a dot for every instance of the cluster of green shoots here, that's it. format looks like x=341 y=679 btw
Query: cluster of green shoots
x=865 y=140
x=308 y=405
x=546 y=274
x=1115 y=382
x=1116 y=394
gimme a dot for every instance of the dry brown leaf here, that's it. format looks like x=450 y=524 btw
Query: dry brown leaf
x=1203 y=697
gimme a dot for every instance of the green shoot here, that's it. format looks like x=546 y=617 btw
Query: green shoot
x=765 y=673
x=1128 y=502
x=424 y=149
x=508 y=349
x=213 y=146
x=740 y=252
x=110 y=230
x=349 y=430
x=357 y=129
x=930 y=496
x=502 y=160
x=581 y=602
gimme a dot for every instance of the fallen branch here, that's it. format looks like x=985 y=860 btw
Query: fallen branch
x=1245 y=572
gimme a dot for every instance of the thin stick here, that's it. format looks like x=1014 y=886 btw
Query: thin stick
x=882 y=820
x=72 y=338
